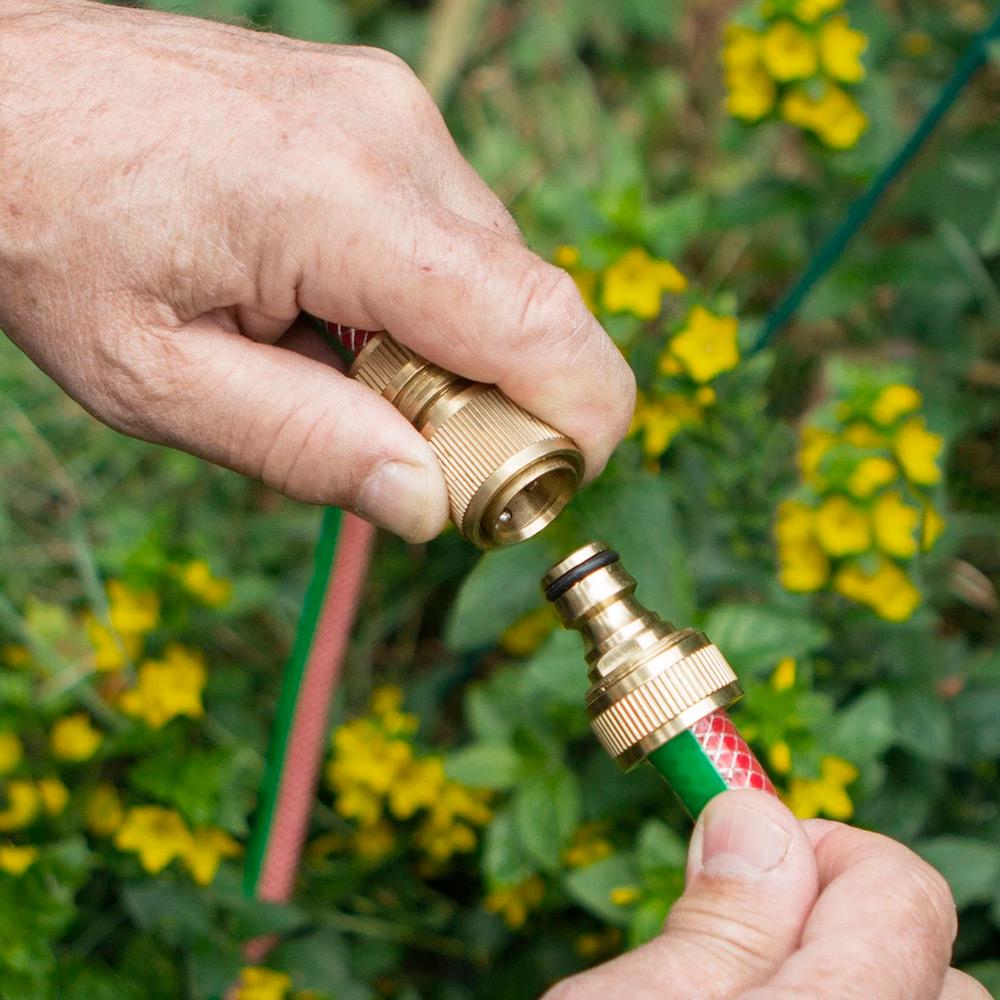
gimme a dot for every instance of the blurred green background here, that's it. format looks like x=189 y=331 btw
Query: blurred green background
x=866 y=637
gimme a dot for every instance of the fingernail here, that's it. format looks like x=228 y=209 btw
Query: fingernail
x=739 y=842
x=396 y=495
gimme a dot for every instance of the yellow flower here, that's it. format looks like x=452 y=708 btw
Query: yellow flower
x=375 y=842
x=840 y=48
x=588 y=847
x=895 y=523
x=931 y=527
x=439 y=841
x=795 y=523
x=751 y=94
x=111 y=650
x=23 y=803
x=205 y=850
x=167 y=688
x=132 y=612
x=16 y=860
x=838 y=121
x=625 y=895
x=784 y=674
x=870 y=475
x=513 y=903
x=788 y=53
x=841 y=528
x=386 y=705
x=527 y=633
x=54 y=795
x=803 y=568
x=808 y=797
x=257 y=983
x=75 y=738
x=863 y=435
x=418 y=787
x=707 y=344
x=705 y=395
x=780 y=757
x=636 y=282
x=888 y=591
x=917 y=450
x=11 y=752
x=359 y=804
x=104 y=813
x=197 y=579
x=660 y=421
x=895 y=401
x=741 y=48
x=811 y=11
x=816 y=442
x=155 y=834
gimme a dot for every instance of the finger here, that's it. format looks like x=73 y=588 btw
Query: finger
x=751 y=883
x=288 y=419
x=485 y=307
x=959 y=986
x=303 y=339
x=882 y=928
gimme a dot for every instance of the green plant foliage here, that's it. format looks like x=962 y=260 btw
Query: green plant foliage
x=470 y=838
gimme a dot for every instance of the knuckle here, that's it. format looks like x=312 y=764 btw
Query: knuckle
x=960 y=986
x=549 y=306
x=723 y=936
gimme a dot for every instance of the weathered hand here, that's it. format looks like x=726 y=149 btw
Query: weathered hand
x=175 y=192
x=777 y=910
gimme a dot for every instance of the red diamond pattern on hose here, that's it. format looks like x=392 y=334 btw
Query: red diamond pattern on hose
x=349 y=337
x=729 y=753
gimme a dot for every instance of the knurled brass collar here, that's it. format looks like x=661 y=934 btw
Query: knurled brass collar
x=649 y=681
x=508 y=474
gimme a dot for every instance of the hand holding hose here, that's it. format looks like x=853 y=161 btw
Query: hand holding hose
x=778 y=910
x=177 y=191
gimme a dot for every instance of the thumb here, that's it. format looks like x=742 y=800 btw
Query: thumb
x=751 y=883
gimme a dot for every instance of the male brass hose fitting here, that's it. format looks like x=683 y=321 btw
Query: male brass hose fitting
x=649 y=680
x=508 y=474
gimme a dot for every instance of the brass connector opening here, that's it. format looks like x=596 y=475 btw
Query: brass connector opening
x=508 y=474
x=649 y=680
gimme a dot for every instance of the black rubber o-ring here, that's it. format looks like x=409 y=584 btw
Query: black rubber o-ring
x=561 y=584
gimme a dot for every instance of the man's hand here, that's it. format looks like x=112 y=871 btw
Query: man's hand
x=175 y=192
x=778 y=910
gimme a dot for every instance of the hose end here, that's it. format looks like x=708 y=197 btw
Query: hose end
x=649 y=681
x=508 y=474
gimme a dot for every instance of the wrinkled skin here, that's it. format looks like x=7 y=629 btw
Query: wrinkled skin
x=176 y=192
x=775 y=909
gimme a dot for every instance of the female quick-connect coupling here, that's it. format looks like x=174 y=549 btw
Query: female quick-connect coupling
x=508 y=474
x=649 y=681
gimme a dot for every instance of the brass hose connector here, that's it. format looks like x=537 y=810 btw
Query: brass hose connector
x=508 y=474
x=649 y=681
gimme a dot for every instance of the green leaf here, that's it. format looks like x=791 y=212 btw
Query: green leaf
x=658 y=846
x=320 y=958
x=485 y=765
x=864 y=729
x=922 y=725
x=591 y=887
x=505 y=859
x=503 y=586
x=635 y=514
x=754 y=637
x=972 y=867
x=313 y=20
x=547 y=811
x=557 y=673
x=976 y=710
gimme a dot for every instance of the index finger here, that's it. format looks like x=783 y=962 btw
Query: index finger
x=882 y=928
x=483 y=306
